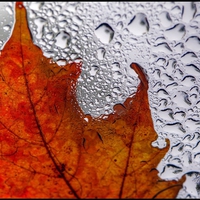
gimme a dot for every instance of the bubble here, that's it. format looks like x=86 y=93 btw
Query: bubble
x=62 y=39
x=139 y=24
x=176 y=32
x=104 y=33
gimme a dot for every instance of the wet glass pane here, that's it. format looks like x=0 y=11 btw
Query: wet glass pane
x=162 y=37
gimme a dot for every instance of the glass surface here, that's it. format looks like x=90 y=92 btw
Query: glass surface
x=163 y=37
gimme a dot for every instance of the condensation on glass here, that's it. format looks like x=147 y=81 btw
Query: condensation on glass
x=163 y=37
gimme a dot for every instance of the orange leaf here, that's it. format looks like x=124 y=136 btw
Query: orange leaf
x=50 y=148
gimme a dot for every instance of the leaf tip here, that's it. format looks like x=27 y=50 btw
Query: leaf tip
x=140 y=73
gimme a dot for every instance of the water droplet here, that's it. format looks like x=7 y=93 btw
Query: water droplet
x=115 y=66
x=188 y=57
x=7 y=27
x=193 y=43
x=179 y=47
x=49 y=36
x=166 y=114
x=77 y=20
x=188 y=81
x=93 y=70
x=166 y=79
x=176 y=10
x=165 y=19
x=9 y=9
x=40 y=23
x=189 y=10
x=192 y=124
x=162 y=47
x=180 y=115
x=176 y=128
x=117 y=75
x=192 y=69
x=119 y=25
x=101 y=53
x=104 y=33
x=61 y=62
x=139 y=25
x=181 y=99
x=62 y=39
x=36 y=5
x=176 y=32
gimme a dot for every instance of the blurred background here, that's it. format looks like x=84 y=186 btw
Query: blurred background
x=162 y=37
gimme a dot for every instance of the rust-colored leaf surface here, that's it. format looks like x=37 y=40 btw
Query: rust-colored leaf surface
x=49 y=148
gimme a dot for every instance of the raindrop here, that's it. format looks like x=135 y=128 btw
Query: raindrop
x=139 y=25
x=117 y=45
x=180 y=115
x=179 y=47
x=49 y=36
x=49 y=12
x=188 y=57
x=189 y=10
x=193 y=43
x=94 y=70
x=40 y=23
x=9 y=9
x=36 y=5
x=176 y=128
x=115 y=66
x=171 y=65
x=104 y=33
x=108 y=98
x=176 y=10
x=162 y=47
x=119 y=25
x=62 y=39
x=188 y=81
x=181 y=99
x=192 y=70
x=165 y=19
x=117 y=75
x=192 y=124
x=166 y=79
x=7 y=27
x=77 y=20
x=100 y=53
x=176 y=32
x=166 y=114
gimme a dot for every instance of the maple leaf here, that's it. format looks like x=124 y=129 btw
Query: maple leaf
x=50 y=148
